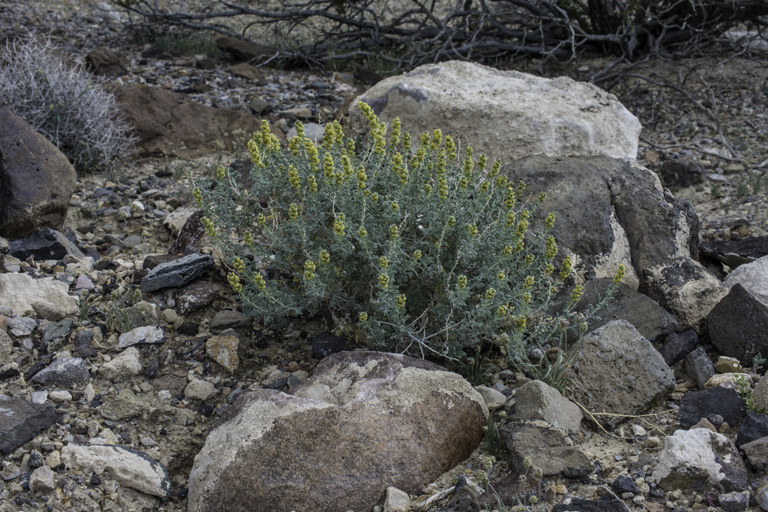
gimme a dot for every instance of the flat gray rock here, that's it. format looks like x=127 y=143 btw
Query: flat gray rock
x=176 y=273
x=21 y=421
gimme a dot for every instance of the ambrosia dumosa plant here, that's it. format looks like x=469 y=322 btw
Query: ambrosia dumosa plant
x=409 y=244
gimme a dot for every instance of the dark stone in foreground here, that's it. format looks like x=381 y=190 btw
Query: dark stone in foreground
x=679 y=345
x=735 y=252
x=21 y=421
x=45 y=244
x=603 y=505
x=65 y=371
x=754 y=427
x=176 y=273
x=717 y=400
x=738 y=325
x=699 y=367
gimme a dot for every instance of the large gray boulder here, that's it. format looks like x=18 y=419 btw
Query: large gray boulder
x=505 y=114
x=753 y=277
x=364 y=422
x=618 y=371
x=36 y=179
x=21 y=292
x=604 y=208
x=738 y=325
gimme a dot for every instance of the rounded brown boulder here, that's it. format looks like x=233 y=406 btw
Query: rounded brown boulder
x=364 y=422
x=36 y=179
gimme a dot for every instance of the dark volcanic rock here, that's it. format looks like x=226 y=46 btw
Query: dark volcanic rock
x=717 y=400
x=21 y=421
x=176 y=273
x=738 y=325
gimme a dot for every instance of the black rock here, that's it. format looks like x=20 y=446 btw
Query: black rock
x=152 y=369
x=45 y=244
x=205 y=409
x=65 y=371
x=754 y=427
x=624 y=483
x=35 y=459
x=176 y=273
x=189 y=328
x=325 y=344
x=716 y=420
x=56 y=333
x=86 y=351
x=8 y=372
x=740 y=339
x=681 y=173
x=36 y=367
x=22 y=421
x=699 y=367
x=735 y=252
x=717 y=400
x=679 y=345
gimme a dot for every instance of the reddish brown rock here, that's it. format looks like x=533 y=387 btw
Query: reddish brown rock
x=364 y=422
x=36 y=179
x=167 y=123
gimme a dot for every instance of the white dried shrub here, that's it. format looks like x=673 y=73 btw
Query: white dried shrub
x=64 y=103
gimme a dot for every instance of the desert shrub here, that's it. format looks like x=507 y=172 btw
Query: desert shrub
x=65 y=104
x=409 y=244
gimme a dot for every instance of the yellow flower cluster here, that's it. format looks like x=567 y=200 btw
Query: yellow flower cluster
x=234 y=282
x=362 y=232
x=198 y=195
x=363 y=317
x=312 y=184
x=259 y=281
x=293 y=211
x=394 y=138
x=417 y=254
x=398 y=167
x=393 y=231
x=565 y=269
x=362 y=178
x=373 y=121
x=383 y=280
x=208 y=226
x=221 y=173
x=577 y=293
x=255 y=154
x=383 y=262
x=549 y=222
x=248 y=238
x=293 y=177
x=309 y=270
x=551 y=247
x=461 y=282
x=237 y=262
x=490 y=293
x=261 y=220
x=451 y=147
x=472 y=230
x=437 y=139
x=339 y=226
x=325 y=256
x=619 y=274
x=400 y=302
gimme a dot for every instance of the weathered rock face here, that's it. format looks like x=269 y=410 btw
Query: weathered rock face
x=738 y=325
x=546 y=448
x=21 y=421
x=505 y=114
x=603 y=208
x=365 y=421
x=167 y=123
x=36 y=179
x=753 y=277
x=536 y=400
x=686 y=289
x=21 y=292
x=698 y=458
x=618 y=371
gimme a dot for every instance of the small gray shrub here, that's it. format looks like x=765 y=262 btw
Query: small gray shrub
x=65 y=104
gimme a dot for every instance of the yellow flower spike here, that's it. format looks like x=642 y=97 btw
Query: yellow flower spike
x=325 y=257
x=528 y=283
x=484 y=186
x=482 y=161
x=198 y=195
x=427 y=188
x=362 y=178
x=521 y=322
x=398 y=167
x=238 y=264
x=501 y=275
x=294 y=145
x=619 y=274
x=234 y=282
x=328 y=167
x=259 y=281
x=299 y=130
x=469 y=164
x=565 y=269
x=511 y=219
x=309 y=270
x=549 y=268
x=417 y=254
x=421 y=154
x=221 y=173
x=266 y=133
x=375 y=197
x=472 y=230
x=338 y=225
x=450 y=146
x=253 y=152
x=346 y=164
x=451 y=220
x=551 y=247
x=380 y=139
x=461 y=281
x=424 y=139
x=520 y=188
x=261 y=219
x=394 y=138
x=312 y=184
x=490 y=293
x=400 y=302
x=363 y=317
x=502 y=311
x=529 y=259
x=293 y=210
x=549 y=222
x=350 y=147
x=383 y=280
x=542 y=197
x=373 y=121
x=208 y=225
x=519 y=246
x=463 y=183
x=394 y=206
x=510 y=198
x=383 y=262
x=522 y=227
x=312 y=154
x=577 y=293
x=501 y=181
x=508 y=250
x=442 y=187
x=338 y=133
x=293 y=178
x=495 y=169
x=362 y=232
x=248 y=238
x=437 y=139
x=328 y=136
x=441 y=162
x=393 y=231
